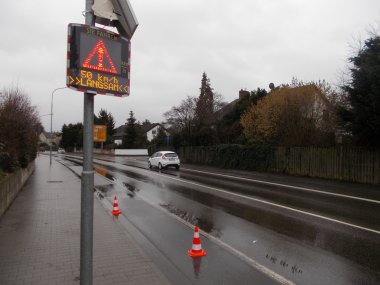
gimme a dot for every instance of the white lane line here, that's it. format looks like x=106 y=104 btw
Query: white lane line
x=250 y=261
x=287 y=186
x=266 y=202
x=272 y=204
x=279 y=278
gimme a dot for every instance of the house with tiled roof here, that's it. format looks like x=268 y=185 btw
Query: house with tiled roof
x=151 y=131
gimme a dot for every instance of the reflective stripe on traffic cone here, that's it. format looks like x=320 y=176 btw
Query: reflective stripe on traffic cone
x=196 y=249
x=115 y=211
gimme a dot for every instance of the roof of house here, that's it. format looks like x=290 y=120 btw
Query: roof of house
x=48 y=134
x=120 y=131
x=148 y=127
x=225 y=109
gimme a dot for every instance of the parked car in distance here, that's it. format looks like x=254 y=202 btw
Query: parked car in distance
x=61 y=150
x=164 y=159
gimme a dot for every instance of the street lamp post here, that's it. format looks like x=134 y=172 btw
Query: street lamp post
x=51 y=120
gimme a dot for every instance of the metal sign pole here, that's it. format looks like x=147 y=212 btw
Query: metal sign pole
x=87 y=195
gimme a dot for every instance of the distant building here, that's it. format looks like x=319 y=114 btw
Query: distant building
x=151 y=131
x=119 y=134
x=228 y=108
x=48 y=138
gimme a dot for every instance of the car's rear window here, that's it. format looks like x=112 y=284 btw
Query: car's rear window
x=171 y=154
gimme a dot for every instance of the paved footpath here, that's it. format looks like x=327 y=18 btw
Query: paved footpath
x=40 y=236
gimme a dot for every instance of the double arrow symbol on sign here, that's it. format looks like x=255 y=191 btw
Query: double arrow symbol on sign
x=72 y=80
x=78 y=81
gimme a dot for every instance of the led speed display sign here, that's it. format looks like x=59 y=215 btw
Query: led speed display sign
x=98 y=61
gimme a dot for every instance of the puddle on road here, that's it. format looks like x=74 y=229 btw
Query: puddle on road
x=203 y=222
x=104 y=188
x=333 y=238
x=131 y=188
x=130 y=174
x=342 y=244
x=174 y=198
x=108 y=190
x=103 y=172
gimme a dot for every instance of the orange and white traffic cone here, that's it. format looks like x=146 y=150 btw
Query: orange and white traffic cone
x=115 y=211
x=196 y=249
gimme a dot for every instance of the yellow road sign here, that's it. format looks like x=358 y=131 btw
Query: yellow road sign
x=100 y=133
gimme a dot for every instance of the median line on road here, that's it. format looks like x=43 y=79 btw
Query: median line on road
x=275 y=205
x=270 y=203
x=239 y=254
x=287 y=186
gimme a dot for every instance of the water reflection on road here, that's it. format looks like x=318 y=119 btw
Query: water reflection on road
x=307 y=251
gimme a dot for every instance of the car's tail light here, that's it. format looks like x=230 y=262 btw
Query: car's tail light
x=163 y=157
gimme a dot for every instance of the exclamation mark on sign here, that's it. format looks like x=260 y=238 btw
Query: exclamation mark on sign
x=102 y=52
x=100 y=57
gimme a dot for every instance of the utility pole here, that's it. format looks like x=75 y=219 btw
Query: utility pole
x=87 y=195
x=51 y=121
x=126 y=23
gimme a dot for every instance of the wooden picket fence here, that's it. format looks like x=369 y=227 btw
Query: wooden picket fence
x=339 y=163
x=348 y=164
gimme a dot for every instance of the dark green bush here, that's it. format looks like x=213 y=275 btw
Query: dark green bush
x=8 y=163
x=252 y=157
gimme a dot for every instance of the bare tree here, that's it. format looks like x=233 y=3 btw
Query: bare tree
x=181 y=118
x=19 y=126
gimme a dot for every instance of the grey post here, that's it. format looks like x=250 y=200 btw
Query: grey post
x=51 y=120
x=87 y=197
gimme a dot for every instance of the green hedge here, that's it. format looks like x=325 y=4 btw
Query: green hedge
x=255 y=157
x=348 y=164
x=2 y=175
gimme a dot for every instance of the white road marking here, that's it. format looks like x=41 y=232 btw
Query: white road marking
x=273 y=204
x=287 y=186
x=249 y=260
x=239 y=254
x=279 y=278
x=266 y=202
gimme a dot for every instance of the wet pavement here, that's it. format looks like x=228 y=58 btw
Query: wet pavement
x=304 y=249
x=40 y=236
x=166 y=238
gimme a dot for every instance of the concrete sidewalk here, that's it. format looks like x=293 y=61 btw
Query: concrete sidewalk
x=40 y=236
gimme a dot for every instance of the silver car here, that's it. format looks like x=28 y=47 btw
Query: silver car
x=164 y=159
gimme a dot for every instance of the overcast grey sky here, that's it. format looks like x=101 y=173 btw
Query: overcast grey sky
x=241 y=44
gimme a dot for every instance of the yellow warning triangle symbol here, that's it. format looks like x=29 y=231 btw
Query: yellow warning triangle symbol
x=100 y=51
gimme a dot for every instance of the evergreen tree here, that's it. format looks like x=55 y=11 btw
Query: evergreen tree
x=161 y=138
x=362 y=118
x=205 y=109
x=229 y=128
x=205 y=104
x=72 y=136
x=141 y=138
x=130 y=137
x=106 y=118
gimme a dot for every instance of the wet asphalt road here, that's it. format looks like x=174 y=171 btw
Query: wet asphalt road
x=308 y=231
